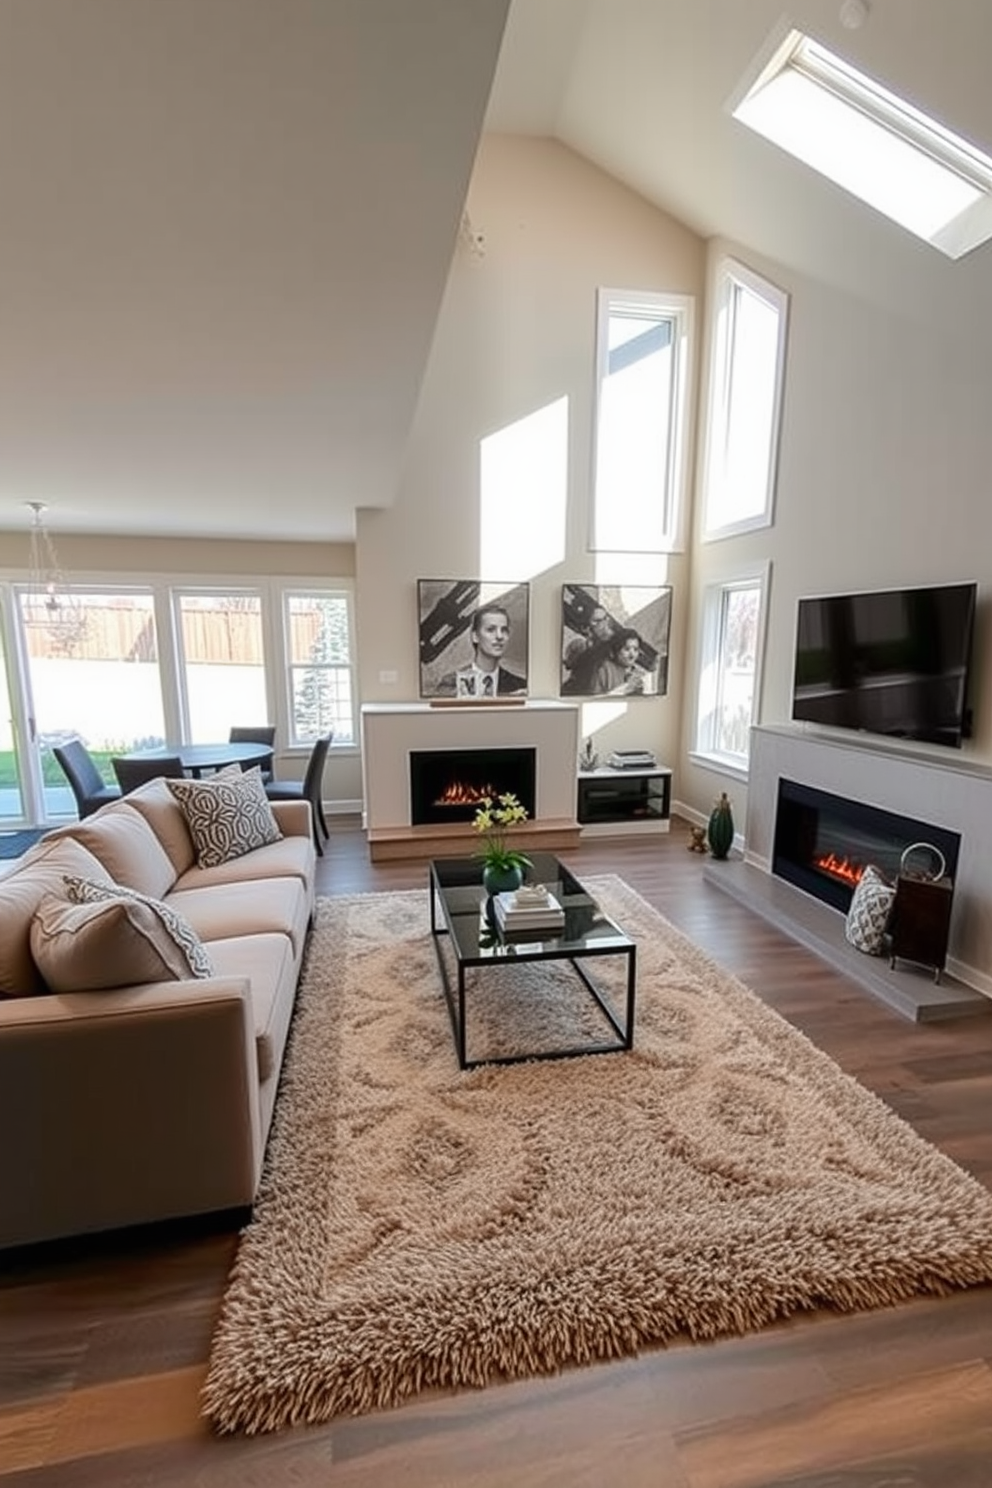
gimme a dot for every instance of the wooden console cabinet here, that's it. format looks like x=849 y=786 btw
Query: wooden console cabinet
x=920 y=923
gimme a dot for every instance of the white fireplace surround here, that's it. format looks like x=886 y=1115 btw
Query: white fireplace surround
x=953 y=792
x=391 y=731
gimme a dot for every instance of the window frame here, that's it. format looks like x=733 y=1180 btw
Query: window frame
x=732 y=279
x=712 y=639
x=789 y=50
x=177 y=593
x=164 y=587
x=290 y=591
x=680 y=310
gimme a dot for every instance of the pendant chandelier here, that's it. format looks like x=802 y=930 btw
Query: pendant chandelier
x=50 y=605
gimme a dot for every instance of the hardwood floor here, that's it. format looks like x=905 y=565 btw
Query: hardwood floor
x=103 y=1344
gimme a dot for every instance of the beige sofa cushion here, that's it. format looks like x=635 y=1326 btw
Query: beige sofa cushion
x=116 y=942
x=173 y=925
x=227 y=816
x=280 y=906
x=290 y=857
x=164 y=815
x=40 y=872
x=266 y=961
x=121 y=838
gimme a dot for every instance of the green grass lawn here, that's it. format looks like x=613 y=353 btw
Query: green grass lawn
x=51 y=769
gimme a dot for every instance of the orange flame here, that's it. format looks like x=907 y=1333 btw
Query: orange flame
x=459 y=794
x=841 y=868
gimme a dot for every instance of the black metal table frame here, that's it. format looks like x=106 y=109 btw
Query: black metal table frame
x=456 y=1004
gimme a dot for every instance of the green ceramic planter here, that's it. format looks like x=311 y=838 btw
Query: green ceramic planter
x=721 y=828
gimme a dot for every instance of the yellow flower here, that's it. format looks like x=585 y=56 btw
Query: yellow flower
x=493 y=821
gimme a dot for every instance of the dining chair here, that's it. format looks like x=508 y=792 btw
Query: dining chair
x=79 y=768
x=255 y=733
x=310 y=788
x=134 y=772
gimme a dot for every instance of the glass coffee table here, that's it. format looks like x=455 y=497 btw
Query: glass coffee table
x=466 y=939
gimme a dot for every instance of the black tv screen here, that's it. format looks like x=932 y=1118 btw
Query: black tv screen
x=893 y=662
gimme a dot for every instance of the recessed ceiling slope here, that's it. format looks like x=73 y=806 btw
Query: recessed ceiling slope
x=227 y=229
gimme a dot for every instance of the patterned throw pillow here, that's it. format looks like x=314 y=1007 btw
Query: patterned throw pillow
x=175 y=925
x=869 y=912
x=92 y=947
x=227 y=816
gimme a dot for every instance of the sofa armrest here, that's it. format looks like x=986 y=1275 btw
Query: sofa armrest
x=293 y=817
x=125 y=1106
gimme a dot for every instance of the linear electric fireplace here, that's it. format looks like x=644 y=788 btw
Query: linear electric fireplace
x=446 y=785
x=824 y=842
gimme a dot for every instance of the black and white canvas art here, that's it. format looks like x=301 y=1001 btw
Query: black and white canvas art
x=473 y=639
x=614 y=640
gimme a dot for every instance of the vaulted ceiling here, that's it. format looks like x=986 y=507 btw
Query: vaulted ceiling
x=228 y=223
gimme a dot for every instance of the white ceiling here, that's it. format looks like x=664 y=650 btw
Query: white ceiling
x=227 y=226
x=228 y=223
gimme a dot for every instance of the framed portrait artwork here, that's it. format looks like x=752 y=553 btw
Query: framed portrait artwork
x=474 y=639
x=614 y=640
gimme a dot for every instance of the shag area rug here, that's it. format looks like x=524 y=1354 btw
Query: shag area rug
x=420 y=1227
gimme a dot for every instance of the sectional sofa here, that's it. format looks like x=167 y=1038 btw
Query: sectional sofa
x=139 y=1065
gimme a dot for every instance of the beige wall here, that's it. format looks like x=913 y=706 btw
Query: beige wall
x=885 y=458
x=211 y=557
x=516 y=334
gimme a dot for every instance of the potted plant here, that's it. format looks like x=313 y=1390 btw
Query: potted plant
x=502 y=866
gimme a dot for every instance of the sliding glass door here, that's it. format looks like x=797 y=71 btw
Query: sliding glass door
x=93 y=673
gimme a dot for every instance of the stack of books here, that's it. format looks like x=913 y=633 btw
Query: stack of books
x=631 y=759
x=531 y=911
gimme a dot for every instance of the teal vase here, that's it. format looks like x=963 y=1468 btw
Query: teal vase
x=501 y=880
x=721 y=827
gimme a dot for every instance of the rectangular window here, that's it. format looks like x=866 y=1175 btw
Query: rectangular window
x=733 y=638
x=642 y=381
x=222 y=662
x=747 y=364
x=92 y=667
x=319 y=667
x=875 y=144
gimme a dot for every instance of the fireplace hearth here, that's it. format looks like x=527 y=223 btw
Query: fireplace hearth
x=823 y=842
x=447 y=785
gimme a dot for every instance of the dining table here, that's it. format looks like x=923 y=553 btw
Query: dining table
x=196 y=758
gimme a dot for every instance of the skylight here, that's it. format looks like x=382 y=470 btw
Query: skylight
x=876 y=145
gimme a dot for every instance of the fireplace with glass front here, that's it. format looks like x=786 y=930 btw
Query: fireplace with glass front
x=448 y=785
x=824 y=842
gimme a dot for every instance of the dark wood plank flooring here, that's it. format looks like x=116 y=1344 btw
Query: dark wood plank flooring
x=103 y=1344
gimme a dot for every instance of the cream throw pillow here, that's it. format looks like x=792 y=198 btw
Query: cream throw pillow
x=114 y=942
x=174 y=926
x=228 y=815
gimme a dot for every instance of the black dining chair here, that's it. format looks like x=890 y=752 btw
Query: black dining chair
x=255 y=733
x=134 y=772
x=308 y=789
x=79 y=768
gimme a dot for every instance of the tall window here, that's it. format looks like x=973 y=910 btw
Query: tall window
x=321 y=684
x=93 y=670
x=745 y=396
x=733 y=638
x=642 y=362
x=223 y=662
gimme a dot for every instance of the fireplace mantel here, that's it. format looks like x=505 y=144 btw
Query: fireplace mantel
x=391 y=730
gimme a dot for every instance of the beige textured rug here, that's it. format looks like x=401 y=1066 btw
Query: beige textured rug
x=422 y=1227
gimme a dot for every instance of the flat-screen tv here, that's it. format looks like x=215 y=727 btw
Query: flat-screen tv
x=893 y=662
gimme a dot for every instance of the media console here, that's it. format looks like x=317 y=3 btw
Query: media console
x=611 y=802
